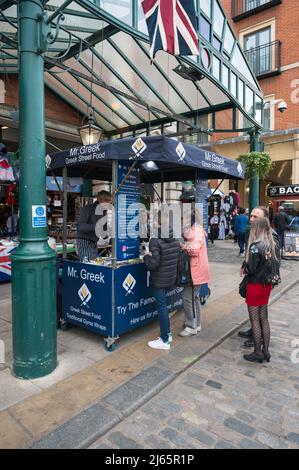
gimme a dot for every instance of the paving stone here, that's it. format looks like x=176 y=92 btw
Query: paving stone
x=211 y=383
x=251 y=445
x=223 y=445
x=128 y=397
x=121 y=441
x=155 y=412
x=246 y=417
x=194 y=380
x=81 y=430
x=201 y=436
x=176 y=438
x=271 y=441
x=274 y=406
x=293 y=437
x=239 y=427
x=179 y=424
x=154 y=442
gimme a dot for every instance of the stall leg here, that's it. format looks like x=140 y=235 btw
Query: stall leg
x=110 y=343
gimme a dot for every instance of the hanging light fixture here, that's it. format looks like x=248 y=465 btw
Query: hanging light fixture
x=90 y=133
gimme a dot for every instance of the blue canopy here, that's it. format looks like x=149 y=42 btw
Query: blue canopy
x=174 y=160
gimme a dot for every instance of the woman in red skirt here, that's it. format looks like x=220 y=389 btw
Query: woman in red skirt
x=261 y=256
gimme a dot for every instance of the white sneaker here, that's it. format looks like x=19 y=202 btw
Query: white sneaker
x=170 y=338
x=198 y=329
x=187 y=331
x=158 y=343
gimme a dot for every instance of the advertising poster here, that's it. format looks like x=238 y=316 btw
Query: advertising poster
x=127 y=207
x=291 y=245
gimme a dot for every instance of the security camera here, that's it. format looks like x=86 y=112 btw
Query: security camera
x=282 y=106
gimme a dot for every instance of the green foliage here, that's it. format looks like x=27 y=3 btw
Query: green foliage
x=257 y=163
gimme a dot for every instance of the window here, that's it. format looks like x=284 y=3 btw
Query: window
x=251 y=4
x=257 y=48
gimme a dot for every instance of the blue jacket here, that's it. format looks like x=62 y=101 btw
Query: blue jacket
x=241 y=224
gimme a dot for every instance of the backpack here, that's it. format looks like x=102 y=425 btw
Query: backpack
x=184 y=278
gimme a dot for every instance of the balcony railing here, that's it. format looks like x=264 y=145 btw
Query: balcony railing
x=265 y=60
x=243 y=8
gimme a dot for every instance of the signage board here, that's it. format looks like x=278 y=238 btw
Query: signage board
x=86 y=299
x=278 y=191
x=291 y=245
x=135 y=304
x=39 y=218
x=127 y=212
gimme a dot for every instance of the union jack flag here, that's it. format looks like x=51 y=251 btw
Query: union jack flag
x=5 y=263
x=171 y=26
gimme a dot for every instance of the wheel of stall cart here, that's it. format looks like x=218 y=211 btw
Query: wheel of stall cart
x=64 y=326
x=110 y=348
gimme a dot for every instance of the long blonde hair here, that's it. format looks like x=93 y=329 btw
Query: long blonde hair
x=261 y=231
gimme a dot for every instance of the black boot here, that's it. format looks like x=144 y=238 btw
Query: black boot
x=246 y=334
x=248 y=344
x=254 y=357
x=267 y=355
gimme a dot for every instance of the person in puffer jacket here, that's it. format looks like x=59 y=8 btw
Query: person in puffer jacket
x=162 y=262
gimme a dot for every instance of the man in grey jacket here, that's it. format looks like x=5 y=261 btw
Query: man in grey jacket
x=86 y=233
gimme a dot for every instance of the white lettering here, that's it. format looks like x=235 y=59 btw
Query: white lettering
x=88 y=276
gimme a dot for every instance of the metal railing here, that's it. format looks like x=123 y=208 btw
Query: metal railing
x=243 y=8
x=265 y=60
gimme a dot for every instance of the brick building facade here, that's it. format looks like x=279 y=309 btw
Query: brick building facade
x=268 y=33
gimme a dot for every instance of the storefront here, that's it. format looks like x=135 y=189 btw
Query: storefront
x=111 y=295
x=286 y=197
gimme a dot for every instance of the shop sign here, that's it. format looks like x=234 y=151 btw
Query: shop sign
x=276 y=191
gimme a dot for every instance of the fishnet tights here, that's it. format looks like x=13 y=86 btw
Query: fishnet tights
x=260 y=327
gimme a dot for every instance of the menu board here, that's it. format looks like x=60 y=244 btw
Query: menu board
x=202 y=190
x=127 y=210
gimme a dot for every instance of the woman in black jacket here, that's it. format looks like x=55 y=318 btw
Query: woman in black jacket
x=261 y=266
x=162 y=263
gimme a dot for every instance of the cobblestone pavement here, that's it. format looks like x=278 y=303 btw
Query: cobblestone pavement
x=224 y=402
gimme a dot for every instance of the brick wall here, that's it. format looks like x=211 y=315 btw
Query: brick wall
x=56 y=109
x=286 y=85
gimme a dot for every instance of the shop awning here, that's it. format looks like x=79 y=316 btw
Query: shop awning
x=174 y=161
x=108 y=41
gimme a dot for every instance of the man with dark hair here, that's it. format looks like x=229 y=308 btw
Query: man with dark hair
x=86 y=234
x=240 y=229
x=280 y=222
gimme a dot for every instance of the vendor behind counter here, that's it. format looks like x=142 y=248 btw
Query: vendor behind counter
x=86 y=229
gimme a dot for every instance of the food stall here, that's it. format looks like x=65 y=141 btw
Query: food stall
x=111 y=295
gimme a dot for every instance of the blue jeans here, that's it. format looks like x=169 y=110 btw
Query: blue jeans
x=160 y=296
x=241 y=242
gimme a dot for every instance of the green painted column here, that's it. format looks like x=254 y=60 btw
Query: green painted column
x=256 y=145
x=33 y=262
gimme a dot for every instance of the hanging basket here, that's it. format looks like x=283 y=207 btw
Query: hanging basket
x=257 y=164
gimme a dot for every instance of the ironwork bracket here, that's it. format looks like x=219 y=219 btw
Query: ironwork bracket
x=46 y=37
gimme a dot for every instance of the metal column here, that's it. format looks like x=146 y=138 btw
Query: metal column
x=33 y=262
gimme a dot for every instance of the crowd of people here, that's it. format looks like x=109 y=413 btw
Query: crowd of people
x=167 y=255
x=257 y=240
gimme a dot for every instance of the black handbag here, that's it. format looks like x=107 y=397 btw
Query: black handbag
x=243 y=287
